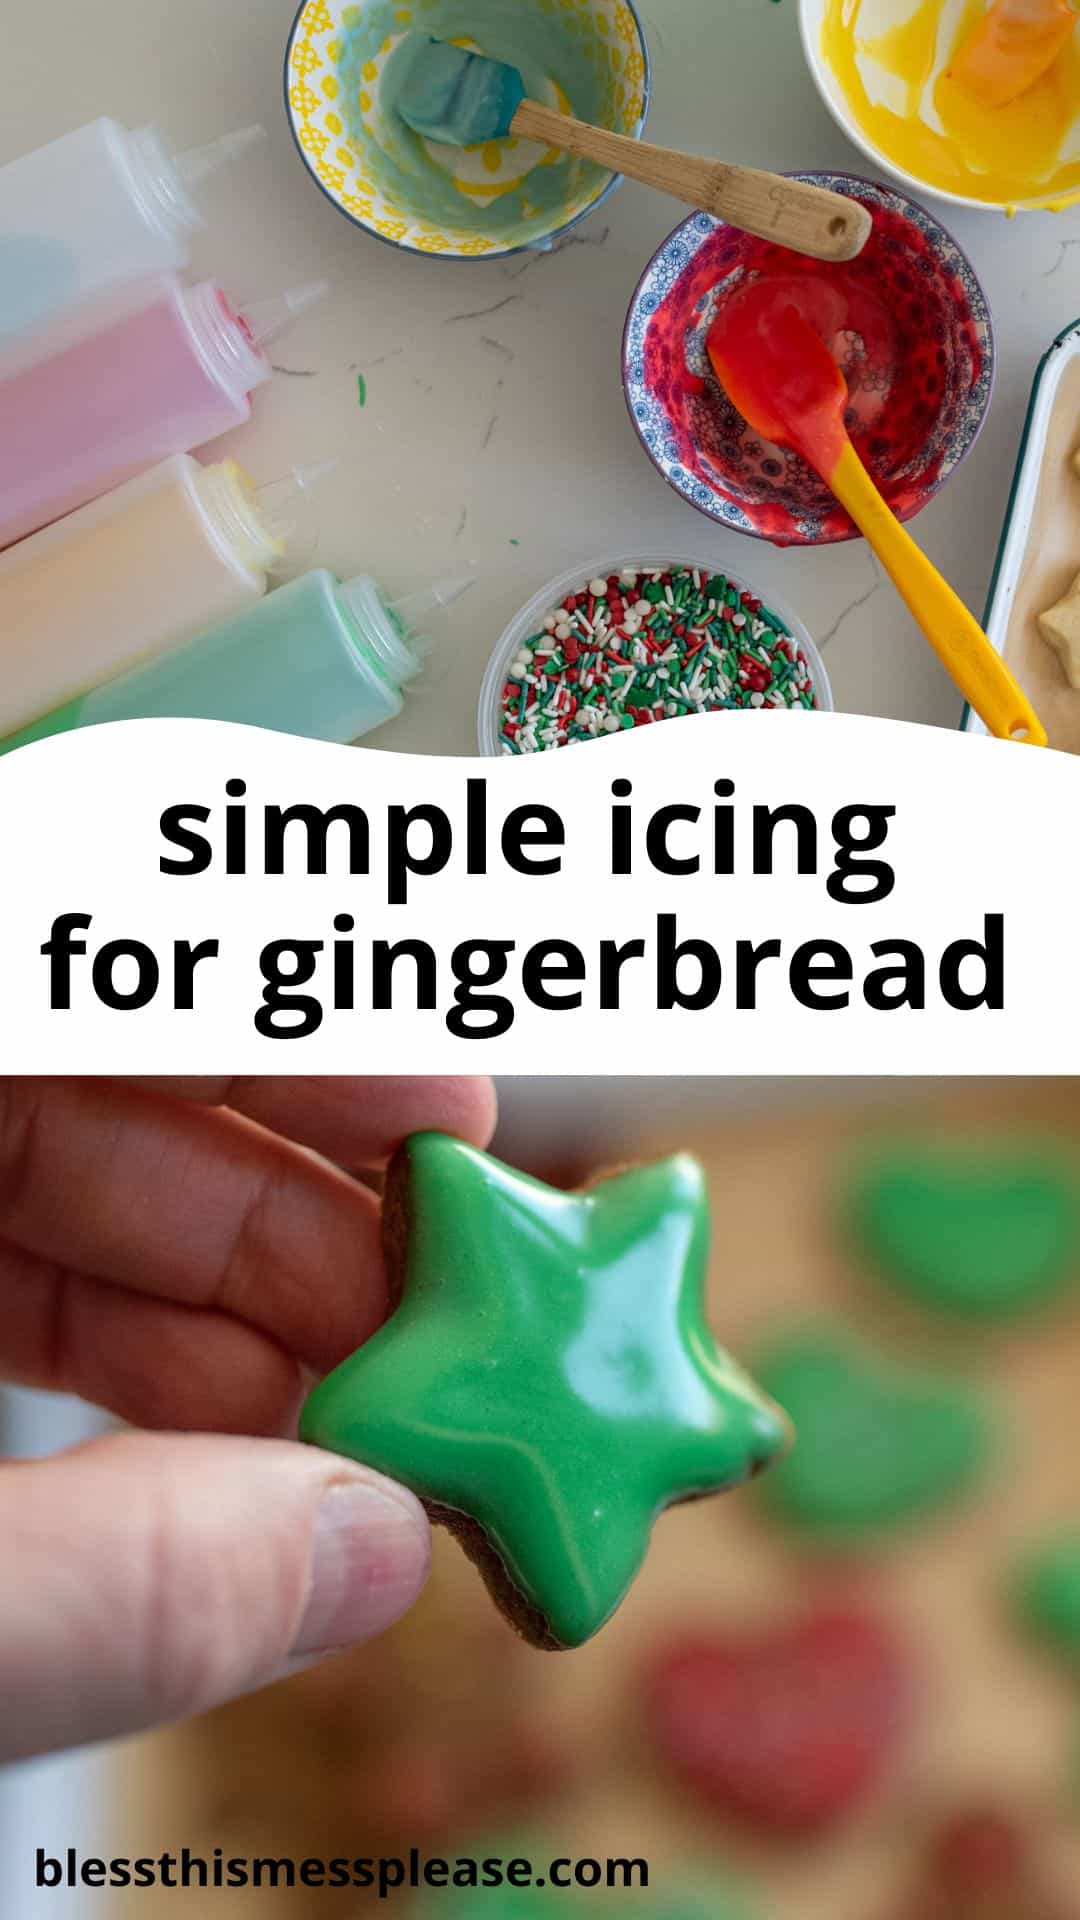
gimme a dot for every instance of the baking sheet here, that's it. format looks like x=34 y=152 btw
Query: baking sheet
x=1040 y=554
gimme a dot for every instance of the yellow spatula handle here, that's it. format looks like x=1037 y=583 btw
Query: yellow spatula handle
x=956 y=637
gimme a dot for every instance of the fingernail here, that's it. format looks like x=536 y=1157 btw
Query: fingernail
x=369 y=1560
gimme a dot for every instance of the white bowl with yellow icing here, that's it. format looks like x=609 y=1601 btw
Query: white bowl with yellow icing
x=587 y=57
x=881 y=69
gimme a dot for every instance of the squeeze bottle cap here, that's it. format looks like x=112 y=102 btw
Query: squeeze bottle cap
x=443 y=594
x=162 y=180
x=199 y=162
x=388 y=626
x=408 y=613
x=286 y=510
x=257 y=525
x=265 y=320
x=231 y=342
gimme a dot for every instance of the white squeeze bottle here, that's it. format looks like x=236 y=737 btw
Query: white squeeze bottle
x=137 y=571
x=94 y=209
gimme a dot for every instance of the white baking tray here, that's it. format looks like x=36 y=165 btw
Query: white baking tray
x=1039 y=552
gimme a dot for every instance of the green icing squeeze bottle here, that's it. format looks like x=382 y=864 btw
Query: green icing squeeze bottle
x=320 y=657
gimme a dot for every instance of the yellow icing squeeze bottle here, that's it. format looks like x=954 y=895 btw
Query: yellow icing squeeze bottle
x=138 y=571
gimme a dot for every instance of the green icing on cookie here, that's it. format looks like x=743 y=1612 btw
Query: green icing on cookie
x=477 y=1883
x=983 y=1235
x=874 y=1448
x=484 y=1900
x=701 y=1902
x=1048 y=1593
x=549 y=1371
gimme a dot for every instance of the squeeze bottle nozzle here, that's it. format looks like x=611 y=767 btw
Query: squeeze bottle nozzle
x=389 y=625
x=198 y=162
x=434 y=599
x=407 y=614
x=286 y=511
x=265 y=320
x=160 y=181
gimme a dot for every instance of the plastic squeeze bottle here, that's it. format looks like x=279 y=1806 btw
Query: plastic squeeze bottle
x=323 y=658
x=96 y=208
x=164 y=371
x=142 y=569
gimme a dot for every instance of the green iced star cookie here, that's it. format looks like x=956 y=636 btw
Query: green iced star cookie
x=547 y=1383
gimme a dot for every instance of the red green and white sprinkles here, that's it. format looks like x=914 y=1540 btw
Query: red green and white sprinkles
x=644 y=645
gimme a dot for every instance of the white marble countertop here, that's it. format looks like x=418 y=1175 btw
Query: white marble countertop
x=495 y=438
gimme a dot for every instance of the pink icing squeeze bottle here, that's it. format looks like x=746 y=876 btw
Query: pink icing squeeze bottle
x=160 y=371
x=140 y=570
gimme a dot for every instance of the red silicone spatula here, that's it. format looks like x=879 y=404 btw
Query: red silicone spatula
x=1011 y=47
x=787 y=386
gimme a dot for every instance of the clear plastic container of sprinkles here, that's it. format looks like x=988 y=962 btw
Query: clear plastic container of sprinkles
x=734 y=650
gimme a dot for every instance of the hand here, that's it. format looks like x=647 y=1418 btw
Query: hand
x=173 y=1251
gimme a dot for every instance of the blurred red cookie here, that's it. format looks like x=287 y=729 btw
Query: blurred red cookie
x=430 y=1787
x=983 y=1865
x=790 y=1730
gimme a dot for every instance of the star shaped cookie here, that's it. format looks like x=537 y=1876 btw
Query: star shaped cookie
x=547 y=1383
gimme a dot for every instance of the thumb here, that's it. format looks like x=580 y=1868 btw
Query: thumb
x=150 y=1577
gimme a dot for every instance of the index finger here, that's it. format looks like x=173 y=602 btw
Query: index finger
x=356 y=1121
x=200 y=1206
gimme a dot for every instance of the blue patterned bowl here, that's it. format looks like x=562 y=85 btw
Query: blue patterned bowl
x=919 y=365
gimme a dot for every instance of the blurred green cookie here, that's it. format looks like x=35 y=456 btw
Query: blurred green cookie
x=985 y=1235
x=717 y=1903
x=478 y=1884
x=502 y=1902
x=874 y=1447
x=1048 y=1593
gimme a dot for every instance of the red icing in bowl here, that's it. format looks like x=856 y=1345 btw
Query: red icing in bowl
x=900 y=325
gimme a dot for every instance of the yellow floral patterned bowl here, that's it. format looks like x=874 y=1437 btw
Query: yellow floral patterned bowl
x=512 y=194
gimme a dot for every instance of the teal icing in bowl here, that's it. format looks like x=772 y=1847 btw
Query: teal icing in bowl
x=508 y=190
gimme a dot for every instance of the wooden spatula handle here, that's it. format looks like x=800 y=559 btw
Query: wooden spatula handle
x=828 y=226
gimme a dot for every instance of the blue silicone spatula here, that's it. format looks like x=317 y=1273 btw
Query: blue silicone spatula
x=462 y=99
